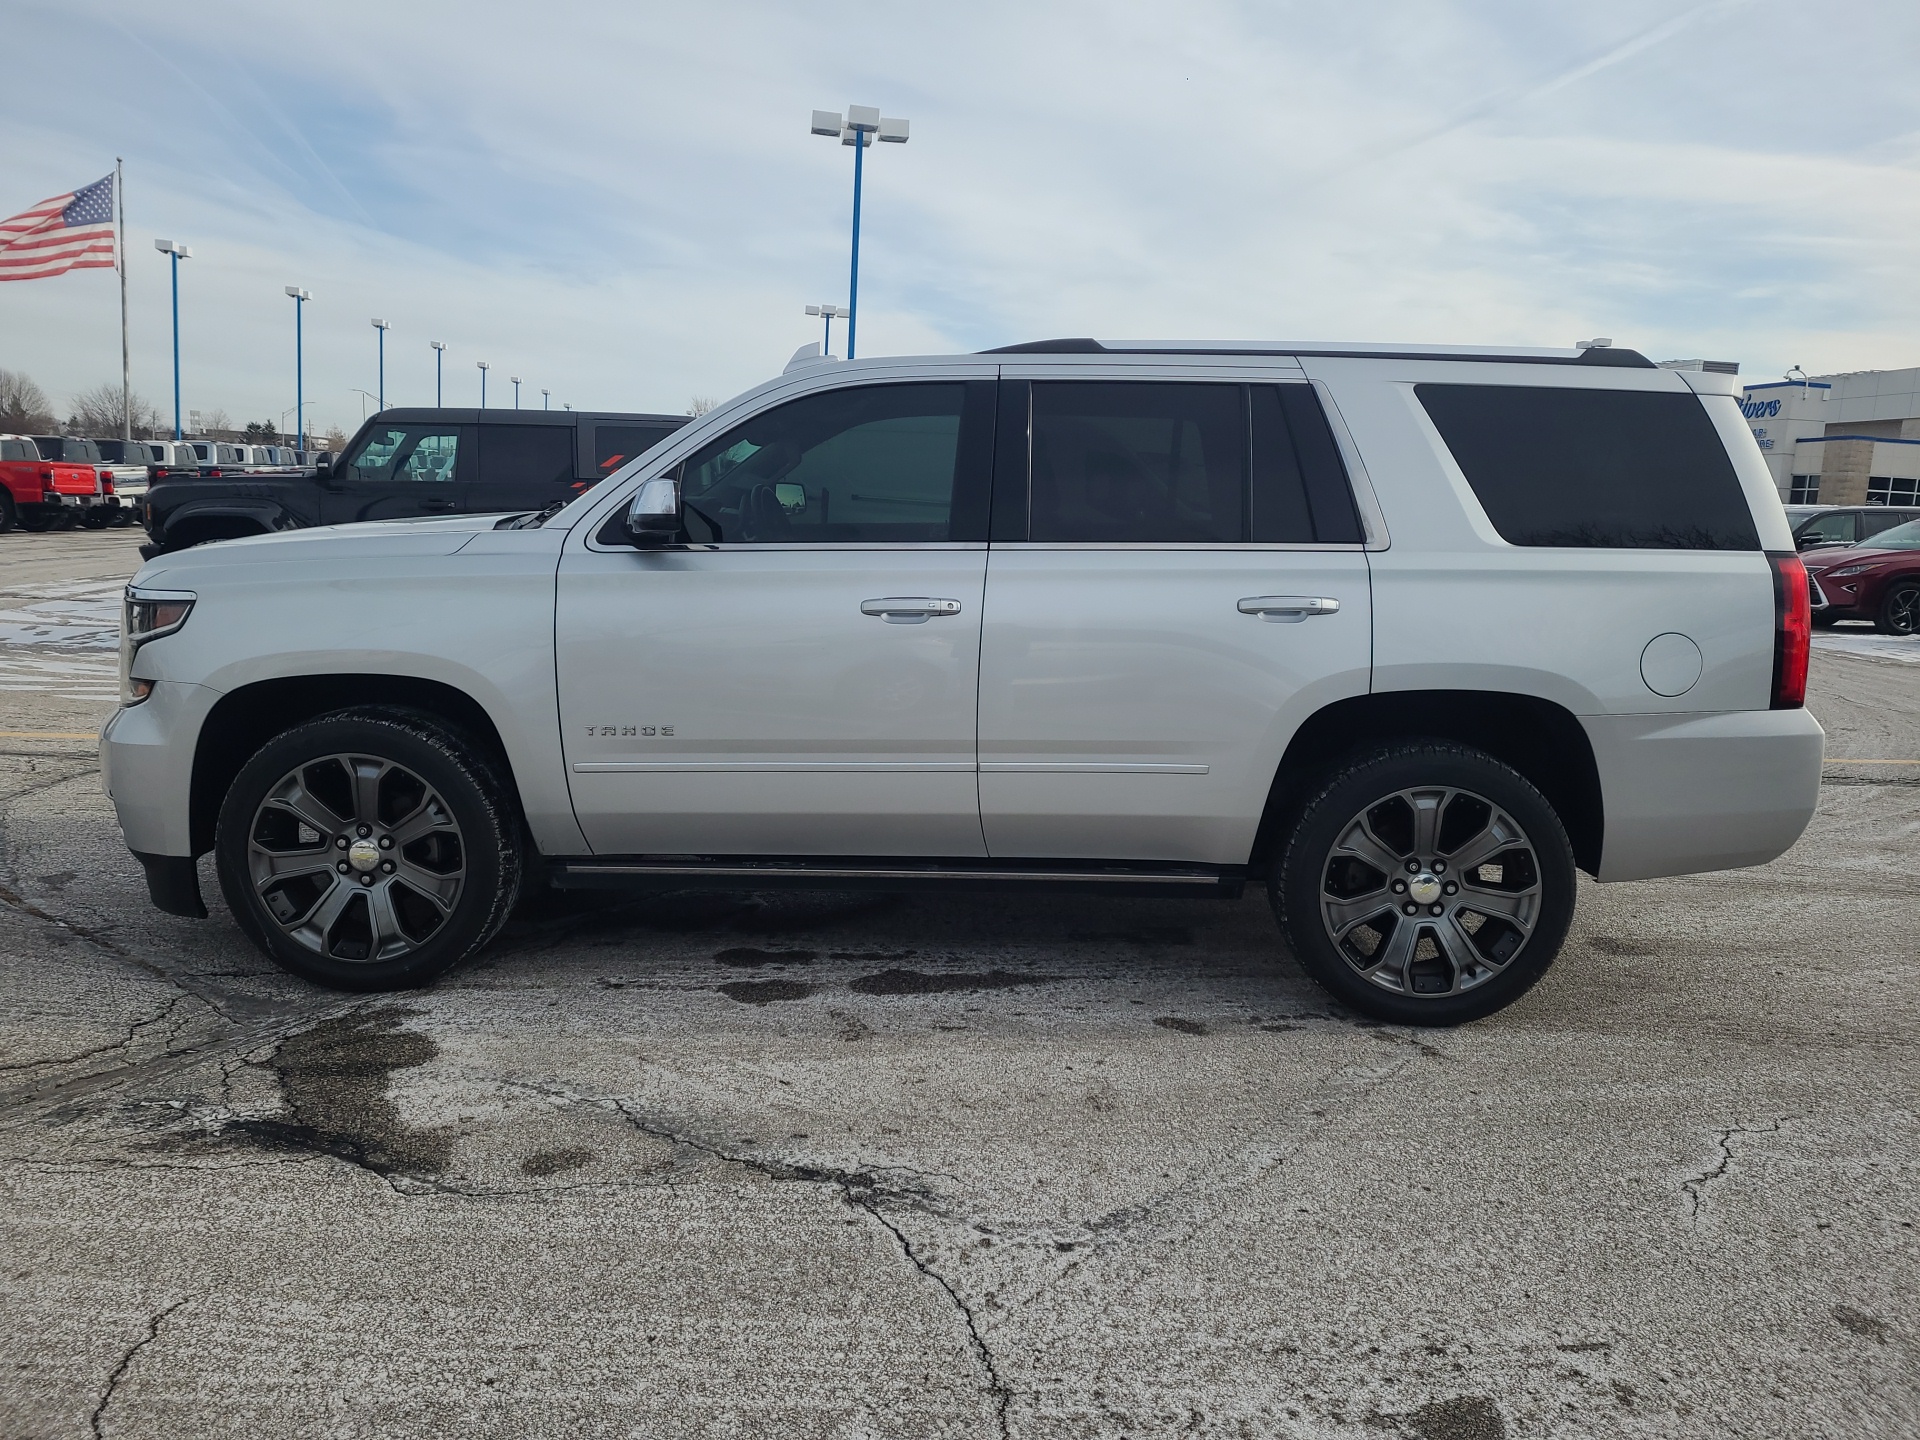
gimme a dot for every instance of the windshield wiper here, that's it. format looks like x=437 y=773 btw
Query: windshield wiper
x=535 y=521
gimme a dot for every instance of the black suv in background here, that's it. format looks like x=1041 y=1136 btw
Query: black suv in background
x=1849 y=525
x=404 y=464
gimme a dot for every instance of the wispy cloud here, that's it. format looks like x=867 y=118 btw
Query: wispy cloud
x=622 y=203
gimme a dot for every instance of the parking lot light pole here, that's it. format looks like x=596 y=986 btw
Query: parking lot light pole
x=483 y=367
x=544 y=394
x=439 y=354
x=516 y=390
x=381 y=326
x=862 y=125
x=299 y=298
x=177 y=253
x=828 y=314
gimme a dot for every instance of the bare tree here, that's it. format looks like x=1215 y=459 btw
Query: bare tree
x=700 y=405
x=335 y=439
x=215 y=423
x=97 y=412
x=23 y=405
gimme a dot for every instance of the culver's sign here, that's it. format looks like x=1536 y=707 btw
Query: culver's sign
x=1760 y=409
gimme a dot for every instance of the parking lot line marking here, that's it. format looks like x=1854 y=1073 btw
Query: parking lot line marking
x=49 y=735
x=1870 y=762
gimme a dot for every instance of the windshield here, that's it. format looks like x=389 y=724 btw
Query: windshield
x=1900 y=537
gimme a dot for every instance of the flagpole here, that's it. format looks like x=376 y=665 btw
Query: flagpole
x=126 y=369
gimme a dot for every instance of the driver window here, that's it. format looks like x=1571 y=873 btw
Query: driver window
x=405 y=454
x=872 y=463
x=1829 y=528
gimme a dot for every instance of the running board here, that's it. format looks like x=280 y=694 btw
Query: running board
x=737 y=872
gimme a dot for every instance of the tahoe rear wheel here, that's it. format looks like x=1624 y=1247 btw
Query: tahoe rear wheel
x=1425 y=883
x=369 y=849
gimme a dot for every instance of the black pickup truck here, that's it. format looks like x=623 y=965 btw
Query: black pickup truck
x=409 y=463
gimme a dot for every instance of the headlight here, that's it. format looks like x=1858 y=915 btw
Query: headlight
x=1848 y=570
x=147 y=615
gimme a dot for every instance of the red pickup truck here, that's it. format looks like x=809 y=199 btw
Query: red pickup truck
x=38 y=494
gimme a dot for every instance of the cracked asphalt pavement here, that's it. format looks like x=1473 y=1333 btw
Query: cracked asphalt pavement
x=833 y=1165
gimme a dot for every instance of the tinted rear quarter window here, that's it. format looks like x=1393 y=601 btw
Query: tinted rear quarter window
x=615 y=445
x=1604 y=469
x=526 y=454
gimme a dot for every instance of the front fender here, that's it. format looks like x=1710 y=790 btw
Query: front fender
x=267 y=514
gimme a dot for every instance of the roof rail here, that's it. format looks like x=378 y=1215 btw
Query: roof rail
x=1051 y=347
x=1593 y=355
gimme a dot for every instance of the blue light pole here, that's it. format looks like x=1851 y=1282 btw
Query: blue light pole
x=381 y=326
x=516 y=390
x=299 y=298
x=828 y=314
x=860 y=128
x=439 y=354
x=177 y=254
x=483 y=382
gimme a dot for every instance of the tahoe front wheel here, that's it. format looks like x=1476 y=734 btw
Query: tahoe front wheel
x=1425 y=883
x=370 y=849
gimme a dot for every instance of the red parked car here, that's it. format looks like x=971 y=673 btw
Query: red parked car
x=1877 y=580
x=38 y=493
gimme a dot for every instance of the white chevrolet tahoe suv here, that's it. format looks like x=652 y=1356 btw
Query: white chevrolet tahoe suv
x=1407 y=635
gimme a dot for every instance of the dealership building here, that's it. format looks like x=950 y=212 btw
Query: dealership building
x=1851 y=439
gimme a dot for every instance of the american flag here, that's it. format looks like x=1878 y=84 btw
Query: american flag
x=68 y=232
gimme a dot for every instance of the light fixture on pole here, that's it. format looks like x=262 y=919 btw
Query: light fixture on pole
x=516 y=390
x=299 y=298
x=863 y=124
x=543 y=399
x=828 y=314
x=178 y=253
x=483 y=367
x=381 y=326
x=439 y=354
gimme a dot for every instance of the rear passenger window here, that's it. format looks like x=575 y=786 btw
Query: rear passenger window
x=1142 y=462
x=1127 y=462
x=526 y=454
x=615 y=445
x=1604 y=469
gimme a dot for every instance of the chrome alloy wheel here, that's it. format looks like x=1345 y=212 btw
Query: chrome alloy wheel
x=356 y=858
x=1431 y=891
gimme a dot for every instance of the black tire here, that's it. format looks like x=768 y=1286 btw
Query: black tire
x=477 y=807
x=36 y=519
x=1899 y=609
x=8 y=515
x=1311 y=874
x=95 y=518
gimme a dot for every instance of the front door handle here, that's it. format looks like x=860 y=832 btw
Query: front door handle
x=436 y=502
x=1288 y=609
x=908 y=610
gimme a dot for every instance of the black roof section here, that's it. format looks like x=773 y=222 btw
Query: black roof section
x=1594 y=355
x=492 y=416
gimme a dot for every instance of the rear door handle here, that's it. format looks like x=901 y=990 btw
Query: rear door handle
x=908 y=610
x=436 y=502
x=1288 y=609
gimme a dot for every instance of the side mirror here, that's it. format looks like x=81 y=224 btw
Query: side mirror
x=323 y=465
x=653 y=519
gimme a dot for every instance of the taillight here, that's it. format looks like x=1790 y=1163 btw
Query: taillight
x=1792 y=631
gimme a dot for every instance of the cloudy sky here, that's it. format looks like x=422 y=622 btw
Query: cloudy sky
x=621 y=202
